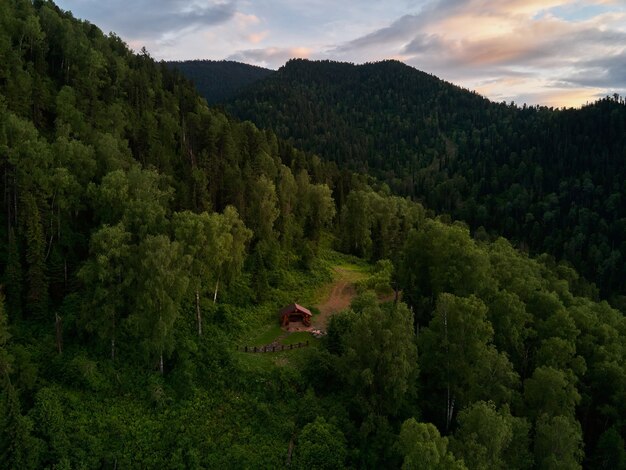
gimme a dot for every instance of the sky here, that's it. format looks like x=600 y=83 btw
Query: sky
x=549 y=52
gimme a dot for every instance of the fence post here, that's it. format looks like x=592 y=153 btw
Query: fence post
x=274 y=348
x=255 y=349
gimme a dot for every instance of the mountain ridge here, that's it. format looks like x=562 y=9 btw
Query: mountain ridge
x=513 y=170
x=219 y=80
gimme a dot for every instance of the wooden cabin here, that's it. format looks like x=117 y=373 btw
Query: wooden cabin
x=295 y=313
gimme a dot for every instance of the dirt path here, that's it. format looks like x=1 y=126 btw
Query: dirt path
x=342 y=292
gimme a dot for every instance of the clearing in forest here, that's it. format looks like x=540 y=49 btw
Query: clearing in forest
x=327 y=300
x=337 y=295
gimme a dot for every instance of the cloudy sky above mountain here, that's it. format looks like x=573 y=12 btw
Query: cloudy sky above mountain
x=554 y=52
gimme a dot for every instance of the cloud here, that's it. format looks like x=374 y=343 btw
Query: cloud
x=569 y=98
x=153 y=19
x=256 y=38
x=550 y=41
x=397 y=32
x=272 y=57
x=245 y=21
x=541 y=43
x=606 y=72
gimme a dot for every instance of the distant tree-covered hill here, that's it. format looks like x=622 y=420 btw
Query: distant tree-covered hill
x=552 y=180
x=219 y=80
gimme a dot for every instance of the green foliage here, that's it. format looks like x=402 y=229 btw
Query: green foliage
x=108 y=276
x=488 y=438
x=161 y=285
x=134 y=217
x=558 y=443
x=320 y=446
x=219 y=80
x=380 y=359
x=548 y=179
x=375 y=225
x=549 y=392
x=423 y=448
x=214 y=247
x=441 y=258
x=611 y=450
x=339 y=326
x=459 y=362
x=37 y=296
x=381 y=279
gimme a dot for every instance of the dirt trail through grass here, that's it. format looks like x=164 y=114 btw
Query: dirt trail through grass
x=338 y=295
x=328 y=300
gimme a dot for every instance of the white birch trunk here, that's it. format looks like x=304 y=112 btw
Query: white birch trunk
x=217 y=284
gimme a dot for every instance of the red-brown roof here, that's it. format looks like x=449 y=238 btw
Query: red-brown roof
x=295 y=308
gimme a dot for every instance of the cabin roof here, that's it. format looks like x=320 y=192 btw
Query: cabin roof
x=295 y=308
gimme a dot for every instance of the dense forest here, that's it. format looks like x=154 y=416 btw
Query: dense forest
x=147 y=237
x=219 y=80
x=550 y=180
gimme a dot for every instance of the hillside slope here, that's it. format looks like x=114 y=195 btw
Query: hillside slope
x=552 y=180
x=219 y=80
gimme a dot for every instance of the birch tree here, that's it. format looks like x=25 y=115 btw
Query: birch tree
x=213 y=246
x=162 y=282
x=459 y=363
x=107 y=276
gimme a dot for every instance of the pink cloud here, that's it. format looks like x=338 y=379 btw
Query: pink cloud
x=256 y=38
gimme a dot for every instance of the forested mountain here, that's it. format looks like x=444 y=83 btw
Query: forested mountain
x=551 y=180
x=145 y=238
x=220 y=80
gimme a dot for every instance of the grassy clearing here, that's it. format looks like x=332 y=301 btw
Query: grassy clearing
x=292 y=359
x=300 y=337
x=266 y=336
x=344 y=268
x=309 y=289
x=351 y=272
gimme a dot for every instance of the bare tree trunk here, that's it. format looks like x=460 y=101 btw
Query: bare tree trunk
x=161 y=363
x=198 y=313
x=450 y=409
x=59 y=332
x=290 y=451
x=217 y=284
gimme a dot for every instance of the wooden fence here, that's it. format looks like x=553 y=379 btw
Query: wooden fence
x=273 y=348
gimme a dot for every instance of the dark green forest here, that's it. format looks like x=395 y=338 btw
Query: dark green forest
x=550 y=180
x=219 y=80
x=146 y=238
